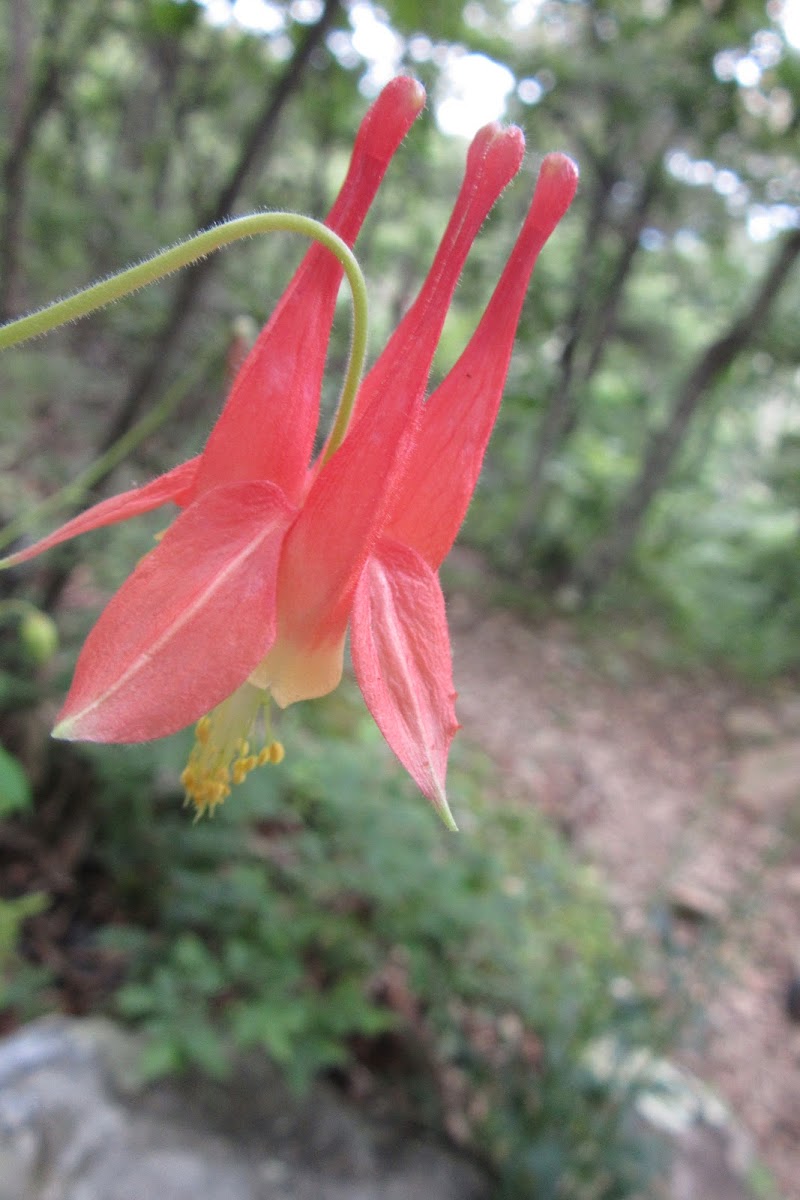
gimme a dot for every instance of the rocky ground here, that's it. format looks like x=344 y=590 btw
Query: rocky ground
x=683 y=789
x=75 y=1125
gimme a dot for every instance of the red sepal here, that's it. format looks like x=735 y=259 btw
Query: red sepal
x=267 y=428
x=458 y=419
x=350 y=496
x=173 y=487
x=401 y=653
x=189 y=625
x=493 y=160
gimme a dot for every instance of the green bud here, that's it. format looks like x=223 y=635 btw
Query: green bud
x=39 y=636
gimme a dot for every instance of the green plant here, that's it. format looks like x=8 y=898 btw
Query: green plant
x=20 y=981
x=325 y=917
x=15 y=791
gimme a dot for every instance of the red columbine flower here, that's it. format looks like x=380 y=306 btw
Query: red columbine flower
x=251 y=590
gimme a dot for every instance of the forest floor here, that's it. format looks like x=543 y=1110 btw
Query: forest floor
x=682 y=787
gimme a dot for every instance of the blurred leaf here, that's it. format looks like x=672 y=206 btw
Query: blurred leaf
x=15 y=789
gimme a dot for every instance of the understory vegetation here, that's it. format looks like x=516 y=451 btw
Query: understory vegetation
x=643 y=474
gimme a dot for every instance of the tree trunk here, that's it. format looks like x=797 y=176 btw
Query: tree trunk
x=603 y=327
x=608 y=555
x=187 y=292
x=35 y=90
x=585 y=345
x=559 y=409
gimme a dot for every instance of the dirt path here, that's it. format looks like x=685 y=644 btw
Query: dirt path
x=685 y=793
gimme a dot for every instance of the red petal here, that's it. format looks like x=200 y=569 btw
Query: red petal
x=349 y=499
x=327 y=546
x=170 y=488
x=493 y=160
x=401 y=654
x=267 y=428
x=189 y=625
x=459 y=417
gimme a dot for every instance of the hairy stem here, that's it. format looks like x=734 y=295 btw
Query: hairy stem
x=191 y=251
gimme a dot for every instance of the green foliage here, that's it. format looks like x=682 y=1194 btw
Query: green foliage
x=324 y=910
x=15 y=791
x=21 y=983
x=733 y=586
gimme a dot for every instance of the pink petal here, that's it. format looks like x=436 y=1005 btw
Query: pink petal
x=267 y=428
x=401 y=653
x=189 y=625
x=170 y=488
x=459 y=417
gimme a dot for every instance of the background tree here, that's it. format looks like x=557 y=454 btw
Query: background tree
x=128 y=125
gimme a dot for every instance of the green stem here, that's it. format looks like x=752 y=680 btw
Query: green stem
x=189 y=251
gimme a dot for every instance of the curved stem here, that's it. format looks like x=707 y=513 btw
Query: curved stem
x=201 y=244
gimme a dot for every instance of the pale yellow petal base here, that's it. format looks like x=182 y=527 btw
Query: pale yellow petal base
x=291 y=673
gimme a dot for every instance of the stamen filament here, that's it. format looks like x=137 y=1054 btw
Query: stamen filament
x=222 y=758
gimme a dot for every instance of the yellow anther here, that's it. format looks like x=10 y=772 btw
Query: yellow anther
x=221 y=757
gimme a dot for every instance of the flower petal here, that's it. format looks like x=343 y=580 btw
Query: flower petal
x=401 y=654
x=267 y=428
x=327 y=547
x=350 y=496
x=173 y=487
x=493 y=160
x=188 y=626
x=458 y=419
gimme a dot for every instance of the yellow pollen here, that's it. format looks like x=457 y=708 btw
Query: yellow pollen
x=221 y=757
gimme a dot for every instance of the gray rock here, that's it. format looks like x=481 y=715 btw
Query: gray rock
x=74 y=1125
x=710 y=1154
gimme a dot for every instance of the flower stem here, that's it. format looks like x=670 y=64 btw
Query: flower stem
x=182 y=255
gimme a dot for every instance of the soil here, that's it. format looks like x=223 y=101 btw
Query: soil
x=682 y=788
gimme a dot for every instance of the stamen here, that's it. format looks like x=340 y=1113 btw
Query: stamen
x=221 y=757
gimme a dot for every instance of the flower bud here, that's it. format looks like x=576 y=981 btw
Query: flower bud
x=39 y=636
